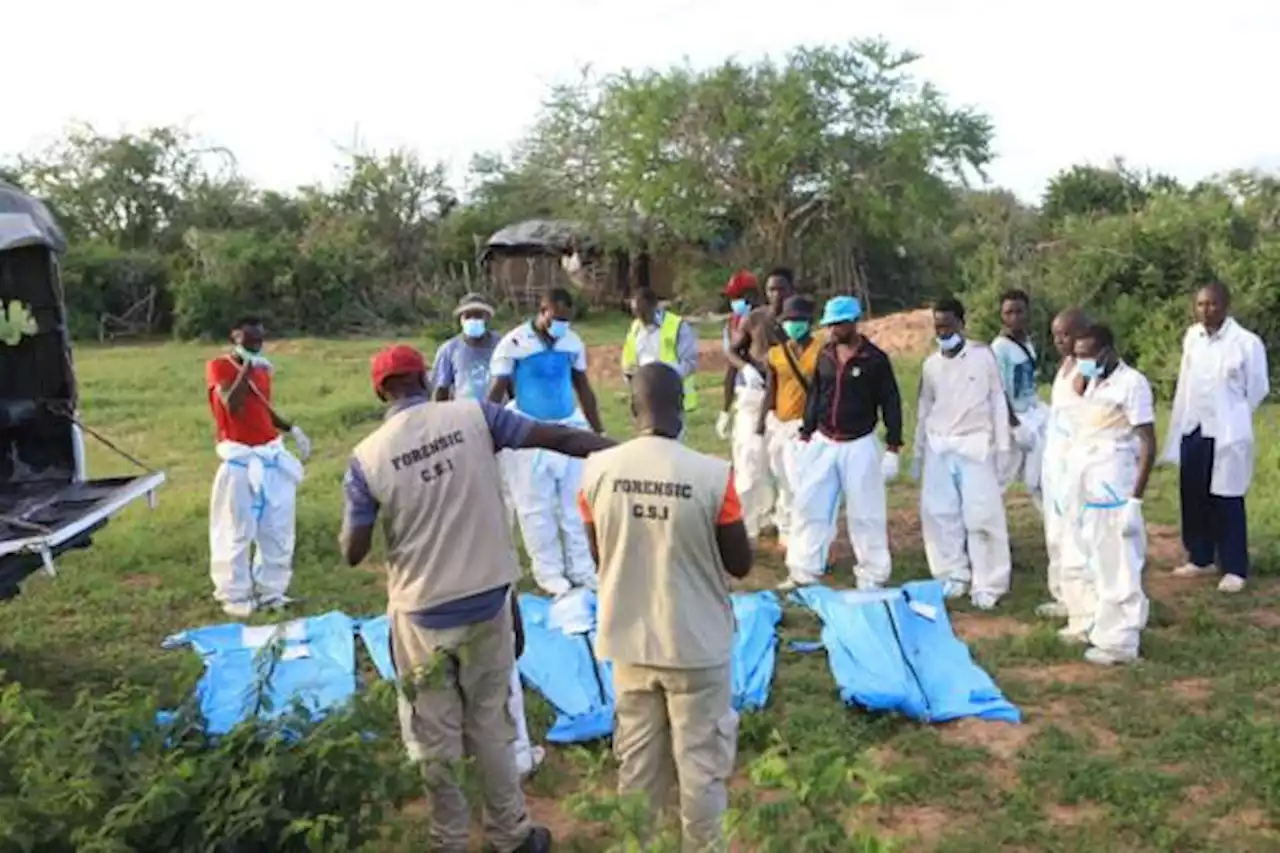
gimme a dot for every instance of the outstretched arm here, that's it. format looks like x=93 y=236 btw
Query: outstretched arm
x=513 y=431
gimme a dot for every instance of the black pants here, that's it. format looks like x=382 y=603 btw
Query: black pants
x=1214 y=529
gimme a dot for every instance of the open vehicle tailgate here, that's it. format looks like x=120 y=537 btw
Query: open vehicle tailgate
x=45 y=519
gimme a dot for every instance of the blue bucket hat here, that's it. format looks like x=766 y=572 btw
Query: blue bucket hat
x=841 y=309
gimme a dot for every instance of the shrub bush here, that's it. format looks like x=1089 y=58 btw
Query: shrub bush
x=104 y=778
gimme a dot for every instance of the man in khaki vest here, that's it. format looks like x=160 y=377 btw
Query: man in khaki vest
x=665 y=525
x=431 y=472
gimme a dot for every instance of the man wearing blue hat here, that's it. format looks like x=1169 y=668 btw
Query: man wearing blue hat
x=853 y=388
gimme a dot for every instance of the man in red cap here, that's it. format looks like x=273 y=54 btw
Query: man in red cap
x=431 y=471
x=743 y=293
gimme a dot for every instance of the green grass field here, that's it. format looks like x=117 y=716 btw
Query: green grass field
x=1178 y=753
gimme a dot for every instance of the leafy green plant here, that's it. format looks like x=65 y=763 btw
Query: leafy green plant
x=105 y=778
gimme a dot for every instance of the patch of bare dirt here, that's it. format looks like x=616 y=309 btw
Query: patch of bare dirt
x=1192 y=689
x=550 y=812
x=1082 y=814
x=1266 y=619
x=1247 y=818
x=1075 y=672
x=1164 y=545
x=1073 y=719
x=141 y=581
x=984 y=626
x=1002 y=740
x=904 y=531
x=922 y=826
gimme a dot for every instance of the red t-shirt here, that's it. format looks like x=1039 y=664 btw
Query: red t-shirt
x=252 y=425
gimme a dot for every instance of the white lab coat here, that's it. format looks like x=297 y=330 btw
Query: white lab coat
x=1235 y=362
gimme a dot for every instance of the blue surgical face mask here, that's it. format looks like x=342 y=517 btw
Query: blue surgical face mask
x=1088 y=367
x=950 y=342
x=558 y=328
x=473 y=327
x=740 y=307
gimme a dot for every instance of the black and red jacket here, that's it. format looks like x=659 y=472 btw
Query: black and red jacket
x=847 y=400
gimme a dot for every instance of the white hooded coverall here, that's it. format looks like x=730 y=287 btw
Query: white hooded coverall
x=962 y=428
x=751 y=475
x=253 y=502
x=1053 y=482
x=1107 y=549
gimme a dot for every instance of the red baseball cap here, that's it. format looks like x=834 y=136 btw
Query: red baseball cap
x=739 y=283
x=398 y=360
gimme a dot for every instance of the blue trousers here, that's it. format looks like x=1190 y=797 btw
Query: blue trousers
x=1214 y=529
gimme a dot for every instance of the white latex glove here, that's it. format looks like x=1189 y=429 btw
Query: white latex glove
x=889 y=466
x=752 y=377
x=303 y=443
x=1133 y=523
x=722 y=425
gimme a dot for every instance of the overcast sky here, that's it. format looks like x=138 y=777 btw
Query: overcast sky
x=1187 y=88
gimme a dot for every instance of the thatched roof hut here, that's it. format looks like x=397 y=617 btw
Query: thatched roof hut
x=526 y=259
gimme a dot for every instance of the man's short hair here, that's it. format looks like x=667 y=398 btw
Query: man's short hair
x=1100 y=334
x=1015 y=295
x=951 y=305
x=245 y=322
x=783 y=273
x=559 y=296
x=646 y=295
x=1218 y=287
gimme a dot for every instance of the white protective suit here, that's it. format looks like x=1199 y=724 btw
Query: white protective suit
x=827 y=470
x=544 y=488
x=782 y=449
x=253 y=503
x=1053 y=482
x=528 y=756
x=1107 y=548
x=962 y=430
x=751 y=476
x=1025 y=461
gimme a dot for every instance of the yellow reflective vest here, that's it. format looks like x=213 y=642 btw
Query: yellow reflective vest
x=667 y=335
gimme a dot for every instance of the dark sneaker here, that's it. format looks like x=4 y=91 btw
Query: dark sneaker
x=539 y=841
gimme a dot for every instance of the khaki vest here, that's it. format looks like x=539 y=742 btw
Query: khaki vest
x=664 y=593
x=433 y=471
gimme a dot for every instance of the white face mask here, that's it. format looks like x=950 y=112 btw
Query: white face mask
x=474 y=327
x=950 y=342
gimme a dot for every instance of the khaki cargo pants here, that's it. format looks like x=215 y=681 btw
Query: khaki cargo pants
x=677 y=731
x=454 y=686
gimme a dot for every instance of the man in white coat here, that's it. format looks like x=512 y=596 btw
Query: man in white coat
x=962 y=431
x=1221 y=383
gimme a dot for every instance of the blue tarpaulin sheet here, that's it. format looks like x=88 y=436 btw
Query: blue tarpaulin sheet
x=563 y=668
x=894 y=650
x=315 y=667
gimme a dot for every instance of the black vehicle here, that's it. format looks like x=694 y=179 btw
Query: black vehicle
x=48 y=504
